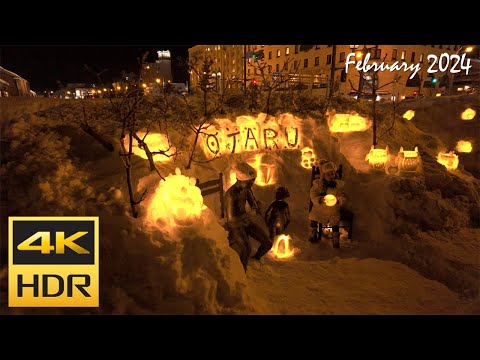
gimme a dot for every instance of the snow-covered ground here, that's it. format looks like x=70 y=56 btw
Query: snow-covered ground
x=415 y=247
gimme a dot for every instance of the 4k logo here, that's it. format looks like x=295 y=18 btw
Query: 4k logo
x=53 y=262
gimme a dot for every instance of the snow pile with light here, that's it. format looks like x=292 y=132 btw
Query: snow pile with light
x=175 y=259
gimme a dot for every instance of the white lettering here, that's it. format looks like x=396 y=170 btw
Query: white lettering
x=363 y=66
x=349 y=61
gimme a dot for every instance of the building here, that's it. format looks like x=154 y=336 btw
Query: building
x=12 y=84
x=464 y=82
x=158 y=72
x=156 y=77
x=228 y=65
x=311 y=67
x=82 y=91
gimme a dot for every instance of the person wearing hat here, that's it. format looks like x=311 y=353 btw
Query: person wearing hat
x=277 y=215
x=326 y=210
x=239 y=224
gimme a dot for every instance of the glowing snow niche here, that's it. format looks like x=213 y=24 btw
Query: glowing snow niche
x=464 y=146
x=409 y=114
x=347 y=123
x=468 y=114
x=282 y=247
x=176 y=202
x=449 y=160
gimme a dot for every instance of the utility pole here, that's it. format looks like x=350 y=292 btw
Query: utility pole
x=360 y=80
x=244 y=69
x=374 y=100
x=332 y=70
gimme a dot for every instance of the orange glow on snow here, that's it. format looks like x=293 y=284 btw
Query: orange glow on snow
x=155 y=142
x=282 y=248
x=308 y=158
x=330 y=200
x=176 y=202
x=449 y=160
x=409 y=114
x=464 y=146
x=347 y=123
x=468 y=114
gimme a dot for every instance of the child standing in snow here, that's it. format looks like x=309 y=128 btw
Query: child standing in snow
x=277 y=215
x=325 y=211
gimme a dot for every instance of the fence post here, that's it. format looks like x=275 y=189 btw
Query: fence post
x=222 y=207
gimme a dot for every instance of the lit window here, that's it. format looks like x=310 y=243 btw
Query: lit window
x=287 y=51
x=421 y=58
x=233 y=61
x=278 y=53
x=404 y=53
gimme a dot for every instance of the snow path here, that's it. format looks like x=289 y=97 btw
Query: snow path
x=323 y=280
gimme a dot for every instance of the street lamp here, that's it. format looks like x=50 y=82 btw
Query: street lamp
x=216 y=75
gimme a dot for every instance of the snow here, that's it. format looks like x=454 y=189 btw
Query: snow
x=415 y=247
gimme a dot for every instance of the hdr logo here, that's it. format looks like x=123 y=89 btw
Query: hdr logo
x=53 y=262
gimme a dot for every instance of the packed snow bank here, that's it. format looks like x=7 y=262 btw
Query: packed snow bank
x=351 y=286
x=51 y=165
x=143 y=269
x=442 y=117
x=190 y=271
x=398 y=213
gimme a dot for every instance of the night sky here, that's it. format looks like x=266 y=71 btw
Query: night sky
x=45 y=66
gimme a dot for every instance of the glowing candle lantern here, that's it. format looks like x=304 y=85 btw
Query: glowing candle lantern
x=449 y=160
x=408 y=160
x=377 y=158
x=266 y=169
x=468 y=114
x=464 y=146
x=330 y=200
x=409 y=114
x=308 y=158
x=282 y=248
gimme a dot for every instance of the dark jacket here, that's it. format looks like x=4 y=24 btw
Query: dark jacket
x=278 y=212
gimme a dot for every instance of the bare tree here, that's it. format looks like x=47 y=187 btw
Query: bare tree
x=211 y=104
x=271 y=82
x=130 y=111
x=373 y=85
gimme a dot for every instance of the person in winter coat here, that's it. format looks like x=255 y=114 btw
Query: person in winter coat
x=327 y=197
x=277 y=215
x=239 y=223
